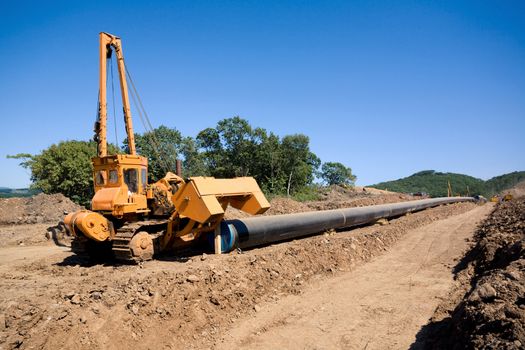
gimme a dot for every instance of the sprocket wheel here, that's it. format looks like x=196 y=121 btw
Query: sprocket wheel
x=141 y=246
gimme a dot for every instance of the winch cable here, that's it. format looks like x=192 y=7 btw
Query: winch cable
x=97 y=124
x=164 y=162
x=114 y=107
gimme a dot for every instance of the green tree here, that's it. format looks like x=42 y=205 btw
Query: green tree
x=234 y=148
x=215 y=160
x=161 y=146
x=64 y=168
x=334 y=173
x=299 y=164
x=436 y=184
x=193 y=163
x=229 y=149
x=503 y=182
x=268 y=163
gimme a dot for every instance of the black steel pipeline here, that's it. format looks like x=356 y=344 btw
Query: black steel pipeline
x=254 y=231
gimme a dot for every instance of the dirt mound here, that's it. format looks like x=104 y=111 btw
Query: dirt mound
x=42 y=208
x=517 y=191
x=279 y=205
x=339 y=193
x=373 y=190
x=286 y=206
x=28 y=235
x=359 y=200
x=21 y=219
x=334 y=197
x=188 y=303
x=491 y=314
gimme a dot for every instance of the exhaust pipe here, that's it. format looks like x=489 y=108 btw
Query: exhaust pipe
x=255 y=231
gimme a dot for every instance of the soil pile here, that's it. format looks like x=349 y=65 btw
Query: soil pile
x=286 y=206
x=42 y=208
x=34 y=220
x=63 y=301
x=491 y=314
x=334 y=197
x=517 y=191
x=188 y=303
x=279 y=205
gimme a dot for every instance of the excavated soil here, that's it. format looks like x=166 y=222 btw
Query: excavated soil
x=486 y=310
x=335 y=197
x=42 y=208
x=35 y=220
x=517 y=191
x=378 y=305
x=52 y=299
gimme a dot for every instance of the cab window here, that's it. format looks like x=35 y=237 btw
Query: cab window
x=100 y=178
x=113 y=176
x=131 y=179
x=144 y=178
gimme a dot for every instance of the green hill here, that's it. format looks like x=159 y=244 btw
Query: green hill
x=6 y=192
x=435 y=183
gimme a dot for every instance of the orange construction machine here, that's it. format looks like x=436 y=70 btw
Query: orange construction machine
x=133 y=220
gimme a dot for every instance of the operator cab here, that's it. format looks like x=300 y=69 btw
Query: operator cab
x=120 y=181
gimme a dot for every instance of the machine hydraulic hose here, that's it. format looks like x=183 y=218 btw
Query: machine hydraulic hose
x=256 y=231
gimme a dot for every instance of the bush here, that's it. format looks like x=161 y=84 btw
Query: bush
x=64 y=168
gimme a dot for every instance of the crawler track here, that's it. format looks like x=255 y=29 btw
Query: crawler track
x=121 y=244
x=125 y=249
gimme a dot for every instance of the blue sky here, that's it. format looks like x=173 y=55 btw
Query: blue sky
x=386 y=87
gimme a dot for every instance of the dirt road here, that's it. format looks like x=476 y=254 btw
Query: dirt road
x=380 y=305
x=52 y=299
x=12 y=256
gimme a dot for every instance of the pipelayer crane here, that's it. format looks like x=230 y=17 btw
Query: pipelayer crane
x=134 y=220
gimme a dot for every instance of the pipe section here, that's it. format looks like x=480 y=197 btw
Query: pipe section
x=254 y=231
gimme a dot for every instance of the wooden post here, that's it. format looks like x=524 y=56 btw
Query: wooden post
x=217 y=242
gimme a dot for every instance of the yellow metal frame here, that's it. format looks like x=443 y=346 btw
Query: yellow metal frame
x=108 y=44
x=116 y=198
x=93 y=225
x=196 y=206
x=202 y=201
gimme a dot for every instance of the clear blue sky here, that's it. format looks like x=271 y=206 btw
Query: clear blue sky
x=387 y=88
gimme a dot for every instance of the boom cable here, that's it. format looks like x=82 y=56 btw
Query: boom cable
x=114 y=107
x=165 y=162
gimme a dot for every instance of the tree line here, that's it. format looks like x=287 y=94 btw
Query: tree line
x=436 y=183
x=281 y=165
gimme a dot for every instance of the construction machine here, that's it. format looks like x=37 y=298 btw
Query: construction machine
x=507 y=197
x=133 y=220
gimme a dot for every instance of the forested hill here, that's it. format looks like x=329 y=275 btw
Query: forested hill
x=436 y=183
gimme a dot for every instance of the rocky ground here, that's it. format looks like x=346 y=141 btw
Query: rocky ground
x=334 y=197
x=380 y=304
x=487 y=308
x=42 y=208
x=34 y=220
x=52 y=299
